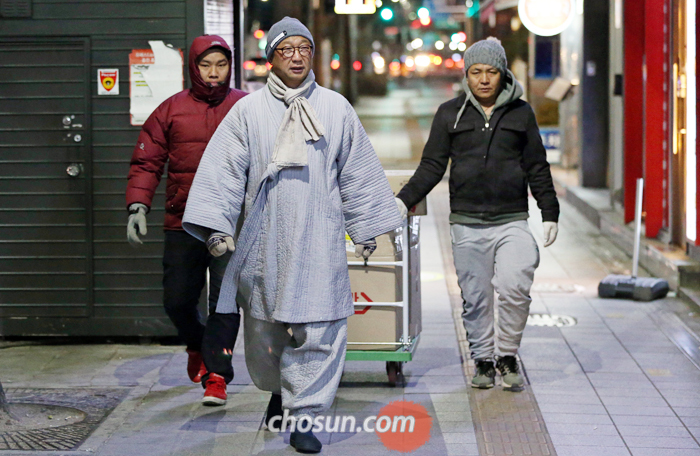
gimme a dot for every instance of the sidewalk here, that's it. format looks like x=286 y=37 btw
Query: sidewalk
x=623 y=380
x=162 y=414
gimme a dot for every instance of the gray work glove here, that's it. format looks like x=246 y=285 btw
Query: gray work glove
x=550 y=233
x=365 y=249
x=220 y=243
x=403 y=210
x=136 y=224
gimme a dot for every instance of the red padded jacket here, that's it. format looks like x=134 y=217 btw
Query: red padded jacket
x=177 y=133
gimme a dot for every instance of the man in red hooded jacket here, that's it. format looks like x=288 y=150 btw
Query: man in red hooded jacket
x=177 y=133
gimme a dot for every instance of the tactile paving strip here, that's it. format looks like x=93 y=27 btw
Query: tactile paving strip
x=506 y=422
x=95 y=403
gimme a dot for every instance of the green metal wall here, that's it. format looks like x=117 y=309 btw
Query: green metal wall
x=65 y=265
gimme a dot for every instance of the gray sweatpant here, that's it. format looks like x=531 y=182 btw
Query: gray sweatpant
x=501 y=256
x=304 y=366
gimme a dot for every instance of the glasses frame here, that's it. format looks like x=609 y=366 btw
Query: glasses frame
x=294 y=49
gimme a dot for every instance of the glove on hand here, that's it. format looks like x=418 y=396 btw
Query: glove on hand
x=136 y=224
x=550 y=233
x=365 y=249
x=403 y=210
x=220 y=243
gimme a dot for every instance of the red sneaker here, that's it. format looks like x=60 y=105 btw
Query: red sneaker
x=201 y=373
x=215 y=394
x=195 y=366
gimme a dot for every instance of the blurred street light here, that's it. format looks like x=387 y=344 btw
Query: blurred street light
x=459 y=37
x=357 y=65
x=258 y=34
x=423 y=12
x=439 y=45
x=462 y=47
x=422 y=61
x=386 y=14
x=417 y=43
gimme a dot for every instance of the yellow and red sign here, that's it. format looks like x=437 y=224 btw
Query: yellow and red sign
x=108 y=82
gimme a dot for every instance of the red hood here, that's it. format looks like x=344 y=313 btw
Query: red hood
x=212 y=94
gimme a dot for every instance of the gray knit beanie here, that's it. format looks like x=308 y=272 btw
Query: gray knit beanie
x=284 y=29
x=487 y=52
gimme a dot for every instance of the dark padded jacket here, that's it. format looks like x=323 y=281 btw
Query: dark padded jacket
x=493 y=162
x=177 y=133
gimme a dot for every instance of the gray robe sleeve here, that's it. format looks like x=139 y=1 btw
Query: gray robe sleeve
x=216 y=197
x=368 y=202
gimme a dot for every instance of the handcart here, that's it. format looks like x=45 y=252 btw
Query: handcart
x=407 y=343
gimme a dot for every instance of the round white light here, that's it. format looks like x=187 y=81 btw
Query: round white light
x=422 y=61
x=453 y=45
x=417 y=43
x=410 y=62
x=439 y=45
x=546 y=17
x=456 y=57
x=423 y=12
x=462 y=47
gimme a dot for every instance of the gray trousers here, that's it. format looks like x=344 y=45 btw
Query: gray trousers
x=304 y=366
x=503 y=257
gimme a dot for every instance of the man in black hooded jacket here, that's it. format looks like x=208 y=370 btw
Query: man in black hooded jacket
x=496 y=152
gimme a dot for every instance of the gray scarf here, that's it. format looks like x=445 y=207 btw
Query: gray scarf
x=299 y=124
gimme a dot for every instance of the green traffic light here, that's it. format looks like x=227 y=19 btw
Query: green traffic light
x=386 y=14
x=423 y=12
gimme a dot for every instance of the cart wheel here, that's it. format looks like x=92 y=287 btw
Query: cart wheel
x=394 y=370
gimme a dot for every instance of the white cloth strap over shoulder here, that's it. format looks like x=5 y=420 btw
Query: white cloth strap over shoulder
x=299 y=124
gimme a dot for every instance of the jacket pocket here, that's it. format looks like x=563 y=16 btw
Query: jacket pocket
x=461 y=127
x=515 y=125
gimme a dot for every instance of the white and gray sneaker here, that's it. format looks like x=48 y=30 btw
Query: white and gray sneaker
x=510 y=373
x=485 y=375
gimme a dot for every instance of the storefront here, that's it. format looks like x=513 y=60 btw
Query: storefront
x=660 y=102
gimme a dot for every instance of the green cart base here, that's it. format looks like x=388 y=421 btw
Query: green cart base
x=394 y=359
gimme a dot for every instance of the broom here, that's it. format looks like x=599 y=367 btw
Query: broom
x=633 y=287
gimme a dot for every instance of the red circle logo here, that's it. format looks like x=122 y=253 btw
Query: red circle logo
x=403 y=426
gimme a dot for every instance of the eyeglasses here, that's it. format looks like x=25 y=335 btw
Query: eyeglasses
x=288 y=51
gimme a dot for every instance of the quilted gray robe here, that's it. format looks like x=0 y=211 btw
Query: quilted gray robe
x=290 y=262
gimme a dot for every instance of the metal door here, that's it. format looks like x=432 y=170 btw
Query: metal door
x=45 y=240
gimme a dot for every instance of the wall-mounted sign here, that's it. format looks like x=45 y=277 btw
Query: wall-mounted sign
x=355 y=7
x=546 y=17
x=108 y=82
x=155 y=74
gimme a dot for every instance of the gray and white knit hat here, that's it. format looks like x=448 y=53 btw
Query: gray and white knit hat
x=487 y=52
x=285 y=28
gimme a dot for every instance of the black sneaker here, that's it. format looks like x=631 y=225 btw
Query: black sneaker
x=305 y=442
x=485 y=375
x=274 y=408
x=510 y=372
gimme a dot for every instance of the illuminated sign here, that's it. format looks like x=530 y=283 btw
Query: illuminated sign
x=355 y=7
x=546 y=17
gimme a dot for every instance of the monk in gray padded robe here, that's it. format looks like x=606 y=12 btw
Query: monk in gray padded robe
x=297 y=158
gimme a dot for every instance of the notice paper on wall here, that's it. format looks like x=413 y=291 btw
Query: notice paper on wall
x=155 y=74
